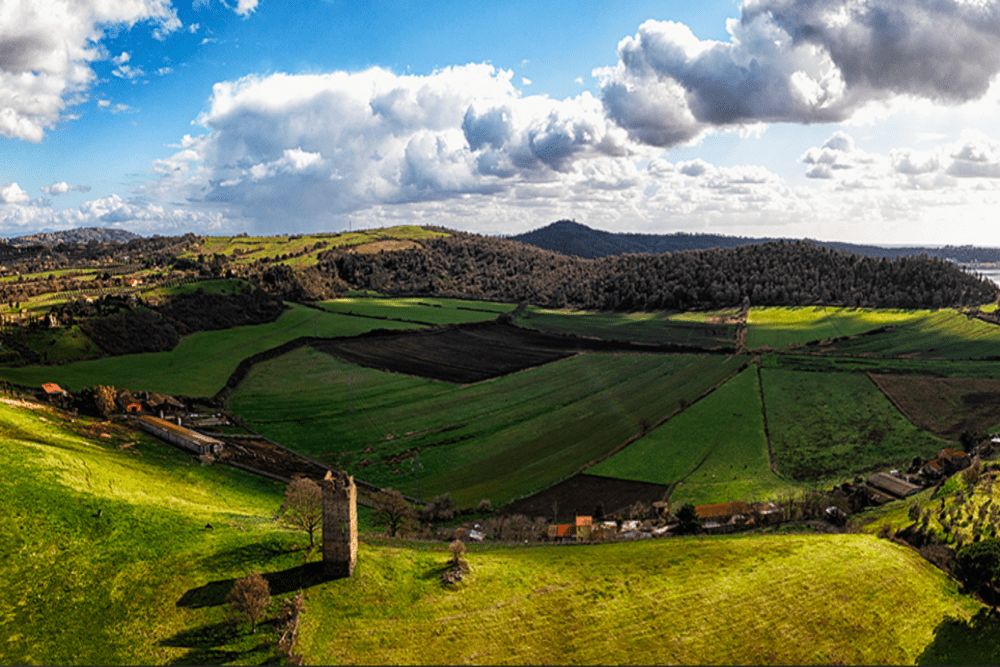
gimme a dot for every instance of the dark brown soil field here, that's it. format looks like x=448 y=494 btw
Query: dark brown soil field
x=581 y=493
x=944 y=406
x=468 y=353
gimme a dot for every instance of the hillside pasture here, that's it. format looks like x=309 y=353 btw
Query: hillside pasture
x=742 y=600
x=834 y=425
x=780 y=327
x=419 y=310
x=941 y=334
x=706 y=330
x=502 y=439
x=103 y=536
x=944 y=406
x=716 y=450
x=202 y=362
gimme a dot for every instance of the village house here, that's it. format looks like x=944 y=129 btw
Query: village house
x=892 y=485
x=127 y=402
x=948 y=462
x=720 y=515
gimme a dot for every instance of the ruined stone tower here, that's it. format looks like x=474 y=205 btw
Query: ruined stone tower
x=340 y=524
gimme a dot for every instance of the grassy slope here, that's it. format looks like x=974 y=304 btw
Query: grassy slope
x=86 y=590
x=779 y=327
x=656 y=327
x=420 y=309
x=806 y=599
x=717 y=446
x=202 y=362
x=941 y=334
x=831 y=425
x=497 y=439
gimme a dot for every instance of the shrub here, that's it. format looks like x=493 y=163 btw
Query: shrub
x=485 y=506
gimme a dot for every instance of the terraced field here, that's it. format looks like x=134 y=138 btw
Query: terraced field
x=499 y=439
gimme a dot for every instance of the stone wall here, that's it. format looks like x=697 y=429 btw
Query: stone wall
x=340 y=524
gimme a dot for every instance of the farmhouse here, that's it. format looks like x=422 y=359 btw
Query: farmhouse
x=893 y=485
x=720 y=513
x=127 y=402
x=948 y=461
x=51 y=390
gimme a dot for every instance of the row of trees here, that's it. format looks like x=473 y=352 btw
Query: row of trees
x=778 y=273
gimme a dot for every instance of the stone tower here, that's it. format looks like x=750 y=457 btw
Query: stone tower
x=340 y=524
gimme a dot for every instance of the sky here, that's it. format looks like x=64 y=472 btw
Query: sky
x=866 y=121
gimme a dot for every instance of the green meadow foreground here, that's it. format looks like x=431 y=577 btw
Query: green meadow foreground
x=107 y=560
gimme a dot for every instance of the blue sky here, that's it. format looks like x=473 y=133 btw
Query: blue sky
x=867 y=121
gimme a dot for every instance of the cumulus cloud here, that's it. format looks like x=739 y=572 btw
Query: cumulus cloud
x=286 y=147
x=802 y=61
x=63 y=188
x=46 y=47
x=12 y=194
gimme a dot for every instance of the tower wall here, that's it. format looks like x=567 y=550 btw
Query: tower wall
x=340 y=524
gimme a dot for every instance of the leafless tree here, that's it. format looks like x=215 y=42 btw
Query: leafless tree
x=392 y=510
x=250 y=597
x=303 y=507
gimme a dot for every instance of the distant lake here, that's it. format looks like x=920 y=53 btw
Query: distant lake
x=992 y=274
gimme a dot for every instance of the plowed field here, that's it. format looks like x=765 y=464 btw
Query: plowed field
x=581 y=493
x=944 y=406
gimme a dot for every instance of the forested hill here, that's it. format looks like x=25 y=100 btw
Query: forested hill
x=572 y=238
x=772 y=273
x=81 y=235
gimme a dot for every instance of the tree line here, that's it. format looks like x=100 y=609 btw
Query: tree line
x=779 y=273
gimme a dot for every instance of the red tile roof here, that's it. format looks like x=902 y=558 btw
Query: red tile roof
x=52 y=388
x=720 y=510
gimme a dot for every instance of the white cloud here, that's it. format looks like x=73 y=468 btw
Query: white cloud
x=46 y=47
x=525 y=81
x=801 y=61
x=164 y=71
x=62 y=188
x=12 y=194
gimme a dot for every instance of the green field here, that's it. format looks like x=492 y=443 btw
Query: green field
x=658 y=327
x=420 y=310
x=243 y=249
x=499 y=439
x=145 y=582
x=833 y=425
x=717 y=449
x=780 y=327
x=930 y=367
x=942 y=334
x=82 y=589
x=202 y=362
x=797 y=599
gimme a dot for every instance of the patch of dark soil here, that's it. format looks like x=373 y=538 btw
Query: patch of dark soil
x=581 y=493
x=474 y=352
x=265 y=456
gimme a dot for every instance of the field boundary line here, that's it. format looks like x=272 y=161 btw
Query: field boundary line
x=892 y=400
x=662 y=421
x=763 y=410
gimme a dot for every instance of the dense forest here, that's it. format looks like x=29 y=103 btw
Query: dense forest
x=774 y=273
x=571 y=238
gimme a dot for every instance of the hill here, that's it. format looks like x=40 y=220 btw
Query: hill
x=108 y=560
x=571 y=238
x=79 y=235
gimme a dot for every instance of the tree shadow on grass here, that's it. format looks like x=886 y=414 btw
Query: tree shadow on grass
x=257 y=554
x=214 y=593
x=218 y=644
x=957 y=642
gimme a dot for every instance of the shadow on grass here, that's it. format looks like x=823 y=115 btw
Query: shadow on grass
x=214 y=593
x=218 y=644
x=957 y=642
x=258 y=554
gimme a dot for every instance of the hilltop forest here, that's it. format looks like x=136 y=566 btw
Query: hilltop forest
x=777 y=273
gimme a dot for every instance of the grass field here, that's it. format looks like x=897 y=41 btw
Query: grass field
x=244 y=250
x=779 y=327
x=83 y=589
x=941 y=334
x=717 y=449
x=806 y=599
x=830 y=426
x=701 y=329
x=499 y=439
x=960 y=368
x=202 y=362
x=419 y=309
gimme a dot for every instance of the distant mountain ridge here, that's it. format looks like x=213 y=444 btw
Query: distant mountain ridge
x=572 y=238
x=81 y=235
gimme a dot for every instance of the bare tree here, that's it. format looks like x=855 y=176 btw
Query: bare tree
x=392 y=510
x=250 y=597
x=303 y=507
x=104 y=399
